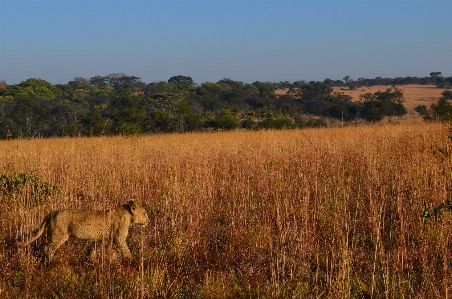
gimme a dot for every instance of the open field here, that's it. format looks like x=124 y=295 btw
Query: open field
x=315 y=213
x=414 y=95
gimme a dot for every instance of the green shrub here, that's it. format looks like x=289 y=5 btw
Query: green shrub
x=31 y=187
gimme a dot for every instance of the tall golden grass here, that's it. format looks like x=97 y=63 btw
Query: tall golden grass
x=321 y=213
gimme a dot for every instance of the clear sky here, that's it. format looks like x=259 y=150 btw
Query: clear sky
x=247 y=40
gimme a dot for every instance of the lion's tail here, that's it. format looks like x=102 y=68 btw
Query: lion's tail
x=43 y=226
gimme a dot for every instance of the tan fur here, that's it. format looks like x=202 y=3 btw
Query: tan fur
x=91 y=225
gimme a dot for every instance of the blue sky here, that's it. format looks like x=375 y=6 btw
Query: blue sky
x=248 y=40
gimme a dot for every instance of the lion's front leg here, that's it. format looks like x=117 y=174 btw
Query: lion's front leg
x=122 y=244
x=120 y=231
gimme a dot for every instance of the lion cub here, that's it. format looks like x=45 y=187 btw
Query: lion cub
x=91 y=225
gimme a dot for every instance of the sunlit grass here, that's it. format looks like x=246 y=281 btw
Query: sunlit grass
x=330 y=213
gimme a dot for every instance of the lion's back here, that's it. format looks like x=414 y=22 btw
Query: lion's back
x=85 y=224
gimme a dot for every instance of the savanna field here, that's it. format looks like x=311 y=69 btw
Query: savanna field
x=313 y=213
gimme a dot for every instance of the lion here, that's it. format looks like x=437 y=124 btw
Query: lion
x=90 y=225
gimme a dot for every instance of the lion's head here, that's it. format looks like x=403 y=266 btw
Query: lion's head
x=140 y=216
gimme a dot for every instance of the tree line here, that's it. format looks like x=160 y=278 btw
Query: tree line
x=118 y=104
x=435 y=78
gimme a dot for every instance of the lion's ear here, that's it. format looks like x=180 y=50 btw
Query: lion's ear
x=132 y=206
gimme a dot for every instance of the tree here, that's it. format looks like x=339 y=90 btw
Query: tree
x=231 y=83
x=280 y=122
x=182 y=82
x=33 y=88
x=28 y=115
x=440 y=111
x=66 y=117
x=447 y=94
x=189 y=120
x=249 y=124
x=115 y=79
x=435 y=74
x=81 y=80
x=421 y=109
x=372 y=111
x=265 y=89
x=286 y=104
x=94 y=124
x=346 y=79
x=328 y=81
x=161 y=122
x=129 y=121
x=98 y=81
x=78 y=83
x=286 y=84
x=225 y=119
x=380 y=104
x=160 y=87
x=342 y=106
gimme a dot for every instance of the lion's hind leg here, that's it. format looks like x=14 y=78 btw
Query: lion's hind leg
x=93 y=249
x=54 y=244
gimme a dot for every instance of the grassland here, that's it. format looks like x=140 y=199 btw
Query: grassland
x=321 y=213
x=414 y=95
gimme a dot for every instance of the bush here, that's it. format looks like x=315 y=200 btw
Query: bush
x=447 y=94
x=421 y=109
x=225 y=120
x=33 y=189
x=440 y=111
x=380 y=104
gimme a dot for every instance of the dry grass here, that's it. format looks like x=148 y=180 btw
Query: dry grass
x=322 y=213
x=414 y=95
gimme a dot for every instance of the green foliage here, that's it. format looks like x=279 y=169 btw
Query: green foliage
x=380 y=104
x=93 y=123
x=225 y=120
x=280 y=122
x=182 y=82
x=211 y=88
x=435 y=74
x=128 y=129
x=421 y=109
x=32 y=88
x=314 y=122
x=372 y=111
x=32 y=188
x=160 y=87
x=163 y=101
x=122 y=104
x=249 y=124
x=129 y=121
x=447 y=94
x=188 y=118
x=437 y=212
x=440 y=111
x=161 y=122
x=264 y=89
